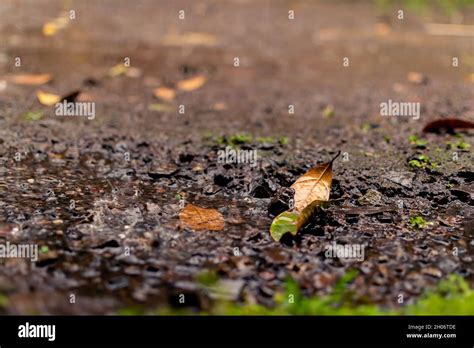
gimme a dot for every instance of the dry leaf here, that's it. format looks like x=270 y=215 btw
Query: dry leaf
x=219 y=106
x=52 y=27
x=192 y=83
x=315 y=185
x=312 y=190
x=47 y=98
x=382 y=29
x=416 y=78
x=33 y=80
x=165 y=93
x=449 y=124
x=198 y=219
x=117 y=70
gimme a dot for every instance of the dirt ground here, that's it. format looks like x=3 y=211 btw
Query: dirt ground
x=102 y=197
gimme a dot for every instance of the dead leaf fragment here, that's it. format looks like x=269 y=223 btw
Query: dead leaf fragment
x=50 y=28
x=382 y=29
x=449 y=124
x=192 y=83
x=47 y=98
x=165 y=93
x=117 y=70
x=199 y=219
x=30 y=79
x=416 y=78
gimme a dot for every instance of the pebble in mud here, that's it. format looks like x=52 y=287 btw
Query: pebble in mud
x=371 y=198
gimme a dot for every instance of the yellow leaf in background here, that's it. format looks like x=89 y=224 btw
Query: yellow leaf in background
x=33 y=80
x=117 y=70
x=199 y=219
x=50 y=28
x=192 y=83
x=160 y=107
x=47 y=98
x=416 y=77
x=219 y=106
x=382 y=29
x=165 y=93
x=190 y=39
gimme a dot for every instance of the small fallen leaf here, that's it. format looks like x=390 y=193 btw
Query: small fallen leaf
x=219 y=106
x=198 y=219
x=328 y=111
x=47 y=98
x=382 y=29
x=33 y=79
x=160 y=107
x=312 y=190
x=449 y=124
x=165 y=93
x=33 y=115
x=416 y=78
x=192 y=83
x=117 y=70
x=50 y=28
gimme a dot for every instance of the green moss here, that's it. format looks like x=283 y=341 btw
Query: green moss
x=417 y=142
x=238 y=139
x=33 y=115
x=416 y=164
x=451 y=296
x=131 y=311
x=242 y=138
x=328 y=111
x=266 y=140
x=459 y=145
x=3 y=301
x=418 y=222
x=283 y=141
x=366 y=127
x=422 y=161
x=207 y=278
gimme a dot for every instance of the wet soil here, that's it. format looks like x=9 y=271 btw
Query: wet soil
x=104 y=195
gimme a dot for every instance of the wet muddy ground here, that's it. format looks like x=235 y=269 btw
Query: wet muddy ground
x=102 y=197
